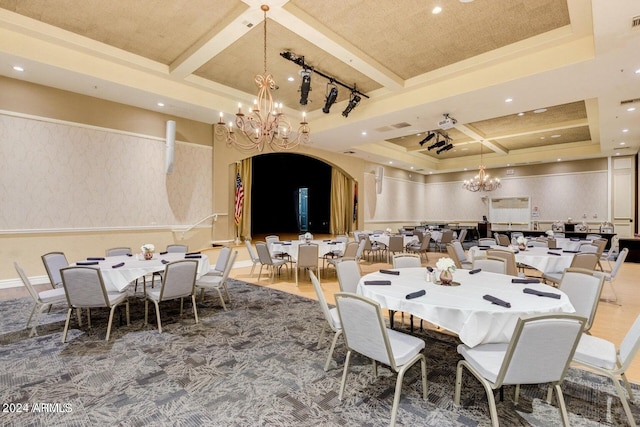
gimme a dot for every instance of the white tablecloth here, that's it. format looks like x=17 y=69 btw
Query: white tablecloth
x=384 y=239
x=462 y=309
x=536 y=257
x=291 y=247
x=117 y=279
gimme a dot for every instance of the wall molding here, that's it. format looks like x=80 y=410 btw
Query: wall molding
x=173 y=228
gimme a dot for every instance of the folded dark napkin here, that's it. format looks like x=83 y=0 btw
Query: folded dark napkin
x=554 y=249
x=416 y=294
x=484 y=248
x=285 y=243
x=570 y=252
x=118 y=265
x=530 y=246
x=477 y=270
x=193 y=253
x=574 y=239
x=541 y=293
x=553 y=253
x=87 y=263
x=193 y=256
x=525 y=281
x=332 y=243
x=129 y=254
x=164 y=261
x=497 y=301
x=95 y=258
x=164 y=253
x=377 y=282
x=396 y=273
x=326 y=240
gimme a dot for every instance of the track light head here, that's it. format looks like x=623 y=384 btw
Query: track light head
x=305 y=87
x=354 y=99
x=445 y=148
x=427 y=138
x=331 y=98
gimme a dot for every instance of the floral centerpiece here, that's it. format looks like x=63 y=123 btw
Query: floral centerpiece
x=549 y=233
x=147 y=250
x=388 y=230
x=308 y=237
x=446 y=267
x=522 y=243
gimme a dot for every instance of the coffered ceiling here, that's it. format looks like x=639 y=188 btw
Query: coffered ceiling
x=567 y=67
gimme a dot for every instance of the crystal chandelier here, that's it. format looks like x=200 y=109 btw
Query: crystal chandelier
x=265 y=123
x=482 y=181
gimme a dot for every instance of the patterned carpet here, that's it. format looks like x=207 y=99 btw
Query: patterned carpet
x=255 y=365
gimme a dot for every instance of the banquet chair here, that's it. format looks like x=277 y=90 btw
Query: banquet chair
x=396 y=246
x=365 y=332
x=486 y=241
x=118 y=251
x=462 y=256
x=461 y=236
x=539 y=352
x=491 y=264
x=611 y=276
x=350 y=252
x=509 y=259
x=612 y=253
x=421 y=247
x=552 y=242
x=269 y=261
x=406 y=261
x=502 y=239
x=539 y=243
x=178 y=249
x=217 y=282
x=583 y=287
x=41 y=300
x=331 y=317
x=445 y=237
x=370 y=247
x=221 y=262
x=349 y=275
x=451 y=251
x=84 y=288
x=601 y=356
x=274 y=239
x=178 y=281
x=601 y=245
x=307 y=259
x=53 y=262
x=588 y=247
x=253 y=256
x=585 y=260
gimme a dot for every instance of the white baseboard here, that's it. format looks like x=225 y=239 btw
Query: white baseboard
x=17 y=283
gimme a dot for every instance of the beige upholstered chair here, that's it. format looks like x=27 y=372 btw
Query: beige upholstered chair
x=217 y=283
x=307 y=259
x=611 y=276
x=421 y=247
x=539 y=352
x=53 y=262
x=365 y=332
x=266 y=259
x=509 y=258
x=176 y=248
x=331 y=316
x=349 y=275
x=406 y=260
x=583 y=287
x=445 y=237
x=118 y=251
x=84 y=288
x=253 y=256
x=490 y=264
x=586 y=261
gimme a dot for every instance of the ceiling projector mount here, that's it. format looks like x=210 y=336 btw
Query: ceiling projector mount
x=447 y=123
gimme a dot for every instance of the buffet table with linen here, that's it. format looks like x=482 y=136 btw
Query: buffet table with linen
x=129 y=268
x=542 y=259
x=462 y=309
x=384 y=239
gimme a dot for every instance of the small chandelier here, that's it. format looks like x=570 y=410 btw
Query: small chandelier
x=482 y=181
x=265 y=122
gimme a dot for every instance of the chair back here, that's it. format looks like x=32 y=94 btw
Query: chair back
x=630 y=345
x=586 y=260
x=424 y=243
x=364 y=328
x=459 y=250
x=491 y=264
x=541 y=349
x=84 y=287
x=552 y=243
x=462 y=235
x=322 y=301
x=223 y=258
x=406 y=261
x=351 y=250
x=418 y=234
x=308 y=255
x=348 y=275
x=272 y=239
x=396 y=243
x=502 y=239
x=601 y=244
x=342 y=239
x=486 y=241
x=509 y=259
x=583 y=287
x=118 y=251
x=360 y=249
x=368 y=246
x=447 y=236
x=252 y=254
x=451 y=251
x=263 y=253
x=178 y=249
x=26 y=282
x=179 y=279
x=589 y=247
x=229 y=266
x=621 y=257
x=53 y=262
x=593 y=236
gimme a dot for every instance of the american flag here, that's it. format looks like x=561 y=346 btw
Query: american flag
x=237 y=216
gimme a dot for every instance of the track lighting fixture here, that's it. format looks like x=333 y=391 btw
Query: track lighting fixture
x=429 y=137
x=445 y=148
x=305 y=86
x=354 y=99
x=332 y=95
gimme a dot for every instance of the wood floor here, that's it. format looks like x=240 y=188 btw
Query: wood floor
x=612 y=319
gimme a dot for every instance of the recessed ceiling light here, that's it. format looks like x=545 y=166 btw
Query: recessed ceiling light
x=390 y=162
x=638 y=71
x=411 y=167
x=617 y=154
x=625 y=130
x=430 y=172
x=556 y=136
x=622 y=143
x=631 y=109
x=559 y=160
x=465 y=169
x=364 y=133
x=290 y=78
x=521 y=114
x=508 y=100
x=418 y=134
x=542 y=137
x=540 y=110
x=160 y=104
x=436 y=10
x=18 y=68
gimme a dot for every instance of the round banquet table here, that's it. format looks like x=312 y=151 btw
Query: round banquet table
x=135 y=266
x=290 y=247
x=462 y=309
x=537 y=257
